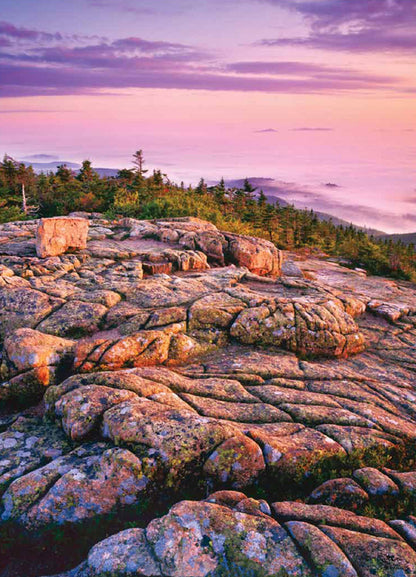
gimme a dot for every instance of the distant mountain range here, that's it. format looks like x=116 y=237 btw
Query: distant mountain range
x=406 y=238
x=45 y=167
x=268 y=186
x=271 y=188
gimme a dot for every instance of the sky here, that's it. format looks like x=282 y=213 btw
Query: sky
x=304 y=92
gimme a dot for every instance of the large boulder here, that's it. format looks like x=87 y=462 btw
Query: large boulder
x=27 y=349
x=54 y=236
x=258 y=255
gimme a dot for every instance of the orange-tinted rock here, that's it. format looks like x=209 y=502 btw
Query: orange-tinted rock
x=375 y=554
x=237 y=462
x=157 y=267
x=341 y=492
x=29 y=349
x=322 y=551
x=30 y=363
x=181 y=542
x=258 y=255
x=54 y=236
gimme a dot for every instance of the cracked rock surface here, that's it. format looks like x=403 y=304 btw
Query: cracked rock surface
x=174 y=403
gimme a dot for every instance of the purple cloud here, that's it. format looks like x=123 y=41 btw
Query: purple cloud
x=266 y=130
x=9 y=30
x=134 y=43
x=75 y=65
x=365 y=40
x=312 y=129
x=20 y=80
x=354 y=25
x=305 y=68
x=328 y=13
x=121 y=5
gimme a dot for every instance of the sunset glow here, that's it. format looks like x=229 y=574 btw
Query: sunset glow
x=304 y=92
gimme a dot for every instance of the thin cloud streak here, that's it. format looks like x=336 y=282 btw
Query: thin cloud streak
x=312 y=129
x=366 y=40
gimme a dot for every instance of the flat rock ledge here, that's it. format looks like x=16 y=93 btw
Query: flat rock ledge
x=173 y=402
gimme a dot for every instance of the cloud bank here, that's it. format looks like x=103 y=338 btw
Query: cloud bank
x=353 y=25
x=35 y=62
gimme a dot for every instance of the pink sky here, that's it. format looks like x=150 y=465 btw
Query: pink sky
x=198 y=85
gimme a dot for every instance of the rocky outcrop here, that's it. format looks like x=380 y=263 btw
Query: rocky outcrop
x=258 y=255
x=167 y=360
x=231 y=534
x=54 y=236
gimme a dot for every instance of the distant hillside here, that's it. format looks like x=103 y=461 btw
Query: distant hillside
x=407 y=238
x=39 y=167
x=340 y=222
x=272 y=190
x=46 y=167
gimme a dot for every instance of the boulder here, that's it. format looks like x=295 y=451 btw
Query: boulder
x=23 y=307
x=54 y=236
x=201 y=539
x=258 y=255
x=343 y=492
x=31 y=361
x=27 y=349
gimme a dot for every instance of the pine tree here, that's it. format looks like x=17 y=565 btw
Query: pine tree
x=138 y=162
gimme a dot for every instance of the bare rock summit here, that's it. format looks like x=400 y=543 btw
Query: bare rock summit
x=175 y=403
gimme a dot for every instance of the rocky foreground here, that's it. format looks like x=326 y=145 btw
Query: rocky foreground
x=176 y=401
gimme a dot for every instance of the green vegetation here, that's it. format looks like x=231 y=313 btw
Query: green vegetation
x=134 y=193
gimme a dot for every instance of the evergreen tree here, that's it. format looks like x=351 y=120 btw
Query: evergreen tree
x=138 y=162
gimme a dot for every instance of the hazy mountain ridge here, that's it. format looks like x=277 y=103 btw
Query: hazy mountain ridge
x=405 y=238
x=268 y=186
x=53 y=166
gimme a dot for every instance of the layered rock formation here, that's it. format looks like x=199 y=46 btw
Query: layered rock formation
x=164 y=389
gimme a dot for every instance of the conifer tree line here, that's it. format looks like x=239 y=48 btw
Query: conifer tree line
x=136 y=193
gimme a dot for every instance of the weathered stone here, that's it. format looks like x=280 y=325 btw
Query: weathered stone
x=27 y=349
x=309 y=329
x=74 y=318
x=233 y=410
x=375 y=482
x=182 y=440
x=258 y=255
x=55 y=236
x=26 y=445
x=344 y=493
x=111 y=351
x=236 y=462
x=82 y=409
x=295 y=452
x=327 y=558
x=126 y=553
x=374 y=555
x=194 y=538
x=157 y=267
x=87 y=483
x=23 y=307
x=406 y=481
x=31 y=362
x=325 y=515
